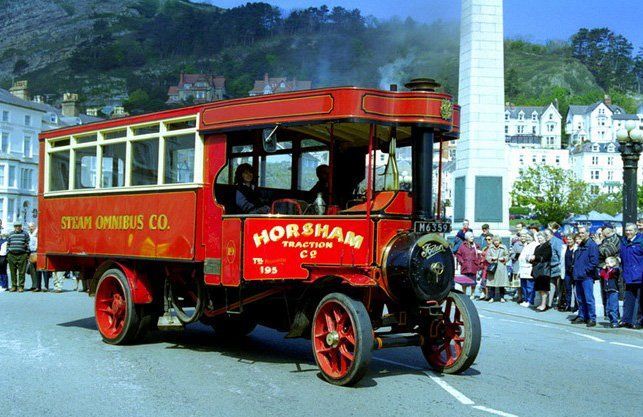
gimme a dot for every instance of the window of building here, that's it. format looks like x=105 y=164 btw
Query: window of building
x=2 y=170
x=522 y=159
x=4 y=146
x=595 y=148
x=507 y=115
x=12 y=176
x=26 y=178
x=594 y=175
x=610 y=160
x=533 y=130
x=533 y=159
x=521 y=116
x=27 y=120
x=557 y=160
x=1 y=208
x=26 y=146
x=594 y=160
x=85 y=168
x=594 y=189
x=551 y=116
x=601 y=111
x=543 y=159
x=506 y=129
x=5 y=115
x=610 y=148
x=550 y=127
x=145 y=158
x=534 y=116
x=113 y=166
x=11 y=209
x=521 y=129
x=550 y=140
x=610 y=175
x=179 y=159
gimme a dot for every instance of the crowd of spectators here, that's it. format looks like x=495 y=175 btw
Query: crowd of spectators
x=543 y=269
x=18 y=259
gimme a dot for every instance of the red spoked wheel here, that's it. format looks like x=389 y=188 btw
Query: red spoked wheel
x=342 y=336
x=116 y=316
x=452 y=341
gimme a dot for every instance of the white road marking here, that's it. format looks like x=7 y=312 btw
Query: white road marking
x=626 y=344
x=463 y=399
x=594 y=338
x=448 y=388
x=492 y=411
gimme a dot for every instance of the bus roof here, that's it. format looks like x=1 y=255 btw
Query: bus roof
x=300 y=107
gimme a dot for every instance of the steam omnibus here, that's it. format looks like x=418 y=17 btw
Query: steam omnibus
x=145 y=207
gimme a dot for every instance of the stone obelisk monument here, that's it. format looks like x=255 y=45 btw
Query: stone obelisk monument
x=481 y=189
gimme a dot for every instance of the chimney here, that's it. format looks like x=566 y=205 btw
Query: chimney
x=556 y=103
x=607 y=100
x=70 y=105
x=266 y=78
x=38 y=99
x=20 y=89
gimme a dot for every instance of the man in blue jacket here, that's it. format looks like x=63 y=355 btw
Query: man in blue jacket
x=632 y=267
x=585 y=263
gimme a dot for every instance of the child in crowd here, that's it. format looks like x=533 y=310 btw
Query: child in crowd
x=610 y=273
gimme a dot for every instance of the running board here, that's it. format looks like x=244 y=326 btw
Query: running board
x=169 y=322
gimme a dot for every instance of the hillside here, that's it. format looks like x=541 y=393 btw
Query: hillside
x=107 y=49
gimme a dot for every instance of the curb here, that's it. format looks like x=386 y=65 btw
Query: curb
x=622 y=331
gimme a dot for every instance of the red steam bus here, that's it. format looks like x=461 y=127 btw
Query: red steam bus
x=146 y=208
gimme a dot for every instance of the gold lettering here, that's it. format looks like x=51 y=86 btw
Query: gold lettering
x=336 y=233
x=353 y=240
x=262 y=237
x=307 y=229
x=277 y=233
x=321 y=230
x=292 y=230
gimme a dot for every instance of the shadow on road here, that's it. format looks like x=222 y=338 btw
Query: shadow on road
x=86 y=323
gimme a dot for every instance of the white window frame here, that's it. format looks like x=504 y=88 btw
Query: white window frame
x=128 y=139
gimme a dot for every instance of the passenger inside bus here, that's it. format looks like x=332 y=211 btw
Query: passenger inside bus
x=247 y=197
x=323 y=175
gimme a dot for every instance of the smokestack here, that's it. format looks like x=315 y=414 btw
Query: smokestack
x=70 y=105
x=422 y=84
x=38 y=99
x=20 y=89
x=607 y=100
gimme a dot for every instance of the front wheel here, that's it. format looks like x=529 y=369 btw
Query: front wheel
x=452 y=341
x=342 y=337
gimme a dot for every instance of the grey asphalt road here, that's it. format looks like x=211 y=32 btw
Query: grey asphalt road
x=53 y=363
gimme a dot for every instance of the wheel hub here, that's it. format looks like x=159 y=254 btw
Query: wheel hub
x=332 y=339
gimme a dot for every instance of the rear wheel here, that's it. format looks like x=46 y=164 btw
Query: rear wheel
x=452 y=341
x=117 y=318
x=342 y=337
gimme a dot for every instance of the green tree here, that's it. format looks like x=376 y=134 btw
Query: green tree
x=609 y=203
x=608 y=56
x=552 y=193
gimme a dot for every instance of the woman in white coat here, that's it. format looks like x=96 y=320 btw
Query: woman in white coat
x=526 y=280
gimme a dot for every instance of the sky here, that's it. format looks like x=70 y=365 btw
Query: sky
x=532 y=20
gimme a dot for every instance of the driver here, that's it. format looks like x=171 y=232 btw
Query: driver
x=247 y=198
x=323 y=175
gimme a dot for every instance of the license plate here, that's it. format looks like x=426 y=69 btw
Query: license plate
x=433 y=226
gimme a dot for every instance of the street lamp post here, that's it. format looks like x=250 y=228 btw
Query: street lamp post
x=630 y=138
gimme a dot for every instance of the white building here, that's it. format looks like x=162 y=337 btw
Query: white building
x=592 y=123
x=600 y=165
x=21 y=120
x=533 y=126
